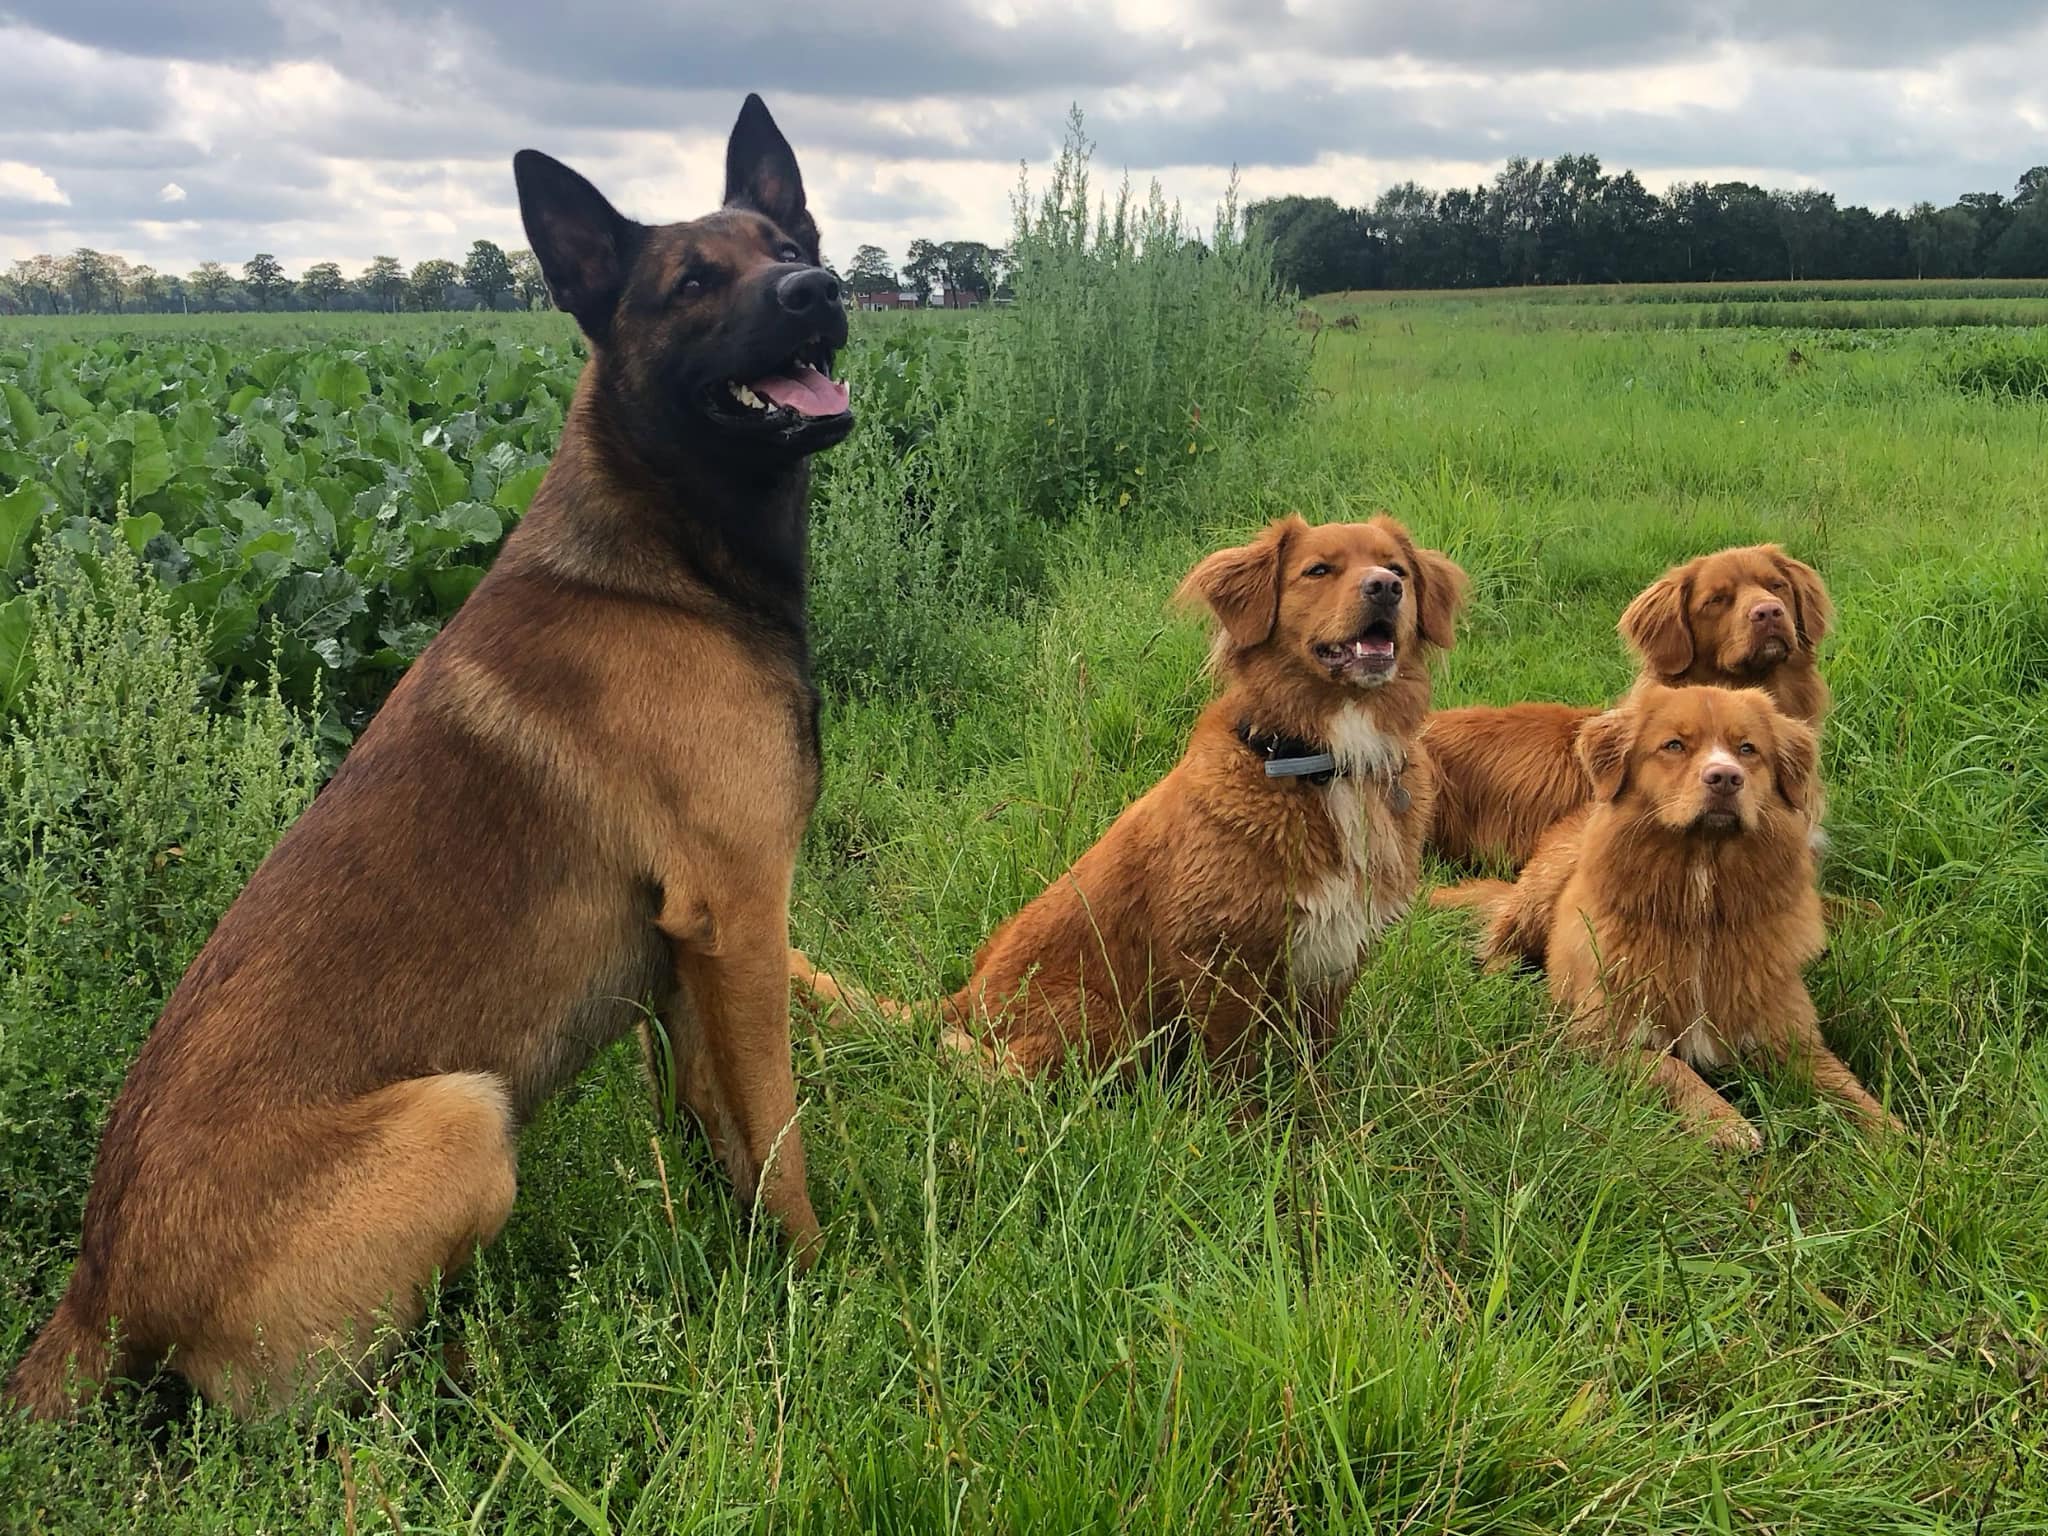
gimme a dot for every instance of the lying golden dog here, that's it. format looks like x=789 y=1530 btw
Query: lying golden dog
x=1673 y=915
x=1742 y=618
x=1263 y=865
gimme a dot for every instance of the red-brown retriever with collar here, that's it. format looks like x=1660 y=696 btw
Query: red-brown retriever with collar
x=1673 y=915
x=1226 y=889
x=1741 y=618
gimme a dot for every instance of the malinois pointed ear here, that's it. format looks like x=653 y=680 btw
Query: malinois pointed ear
x=584 y=245
x=761 y=174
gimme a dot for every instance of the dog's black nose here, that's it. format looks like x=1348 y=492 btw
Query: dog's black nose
x=1381 y=587
x=1722 y=778
x=807 y=292
x=1768 y=611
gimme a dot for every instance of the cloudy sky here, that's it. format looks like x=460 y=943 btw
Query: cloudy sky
x=174 y=130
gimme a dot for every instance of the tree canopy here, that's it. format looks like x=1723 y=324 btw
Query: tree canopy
x=1569 y=221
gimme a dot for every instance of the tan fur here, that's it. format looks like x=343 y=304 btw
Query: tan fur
x=1673 y=941
x=1221 y=891
x=586 y=795
x=1507 y=773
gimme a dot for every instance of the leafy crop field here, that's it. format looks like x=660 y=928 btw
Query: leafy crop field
x=1445 y=1279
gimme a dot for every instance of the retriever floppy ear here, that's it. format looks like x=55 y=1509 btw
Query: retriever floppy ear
x=1440 y=586
x=1655 y=624
x=1241 y=586
x=1603 y=748
x=1813 y=614
x=1795 y=760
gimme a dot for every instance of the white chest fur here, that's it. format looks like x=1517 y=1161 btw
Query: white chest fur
x=1336 y=914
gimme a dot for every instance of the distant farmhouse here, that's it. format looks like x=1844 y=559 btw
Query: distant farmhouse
x=907 y=298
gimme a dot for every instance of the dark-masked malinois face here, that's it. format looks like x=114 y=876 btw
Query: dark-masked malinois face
x=718 y=332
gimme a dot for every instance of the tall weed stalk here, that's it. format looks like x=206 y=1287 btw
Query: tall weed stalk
x=1134 y=350
x=132 y=810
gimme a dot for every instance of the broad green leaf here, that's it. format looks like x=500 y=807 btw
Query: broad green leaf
x=475 y=522
x=24 y=421
x=342 y=383
x=192 y=432
x=270 y=551
x=442 y=483
x=515 y=493
x=139 y=529
x=20 y=510
x=149 y=460
x=451 y=584
x=16 y=658
x=69 y=403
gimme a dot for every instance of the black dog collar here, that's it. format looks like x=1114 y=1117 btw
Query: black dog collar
x=1289 y=757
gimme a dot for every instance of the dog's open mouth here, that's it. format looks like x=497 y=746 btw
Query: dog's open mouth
x=801 y=388
x=1368 y=654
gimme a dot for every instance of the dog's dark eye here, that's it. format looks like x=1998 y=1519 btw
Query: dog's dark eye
x=1318 y=569
x=1674 y=745
x=1775 y=586
x=789 y=252
x=694 y=281
x=1399 y=570
x=1718 y=600
x=1747 y=749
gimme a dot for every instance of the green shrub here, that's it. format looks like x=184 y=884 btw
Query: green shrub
x=1133 y=347
x=2015 y=366
x=904 y=561
x=1133 y=352
x=131 y=812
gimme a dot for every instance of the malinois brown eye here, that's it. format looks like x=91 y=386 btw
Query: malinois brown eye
x=790 y=253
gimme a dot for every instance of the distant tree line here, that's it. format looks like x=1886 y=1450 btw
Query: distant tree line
x=99 y=282
x=1565 y=221
x=959 y=266
x=1570 y=222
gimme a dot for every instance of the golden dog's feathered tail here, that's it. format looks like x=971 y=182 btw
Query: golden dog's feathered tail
x=820 y=994
x=1516 y=918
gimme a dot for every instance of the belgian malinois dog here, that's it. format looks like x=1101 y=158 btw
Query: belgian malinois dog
x=585 y=795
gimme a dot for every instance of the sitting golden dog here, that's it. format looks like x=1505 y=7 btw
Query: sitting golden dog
x=1674 y=914
x=1263 y=865
x=1742 y=618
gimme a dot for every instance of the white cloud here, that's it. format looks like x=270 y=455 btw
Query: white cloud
x=22 y=182
x=171 y=193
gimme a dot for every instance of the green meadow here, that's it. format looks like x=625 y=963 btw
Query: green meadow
x=1446 y=1278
